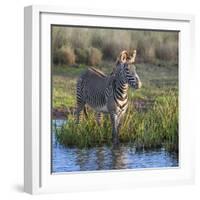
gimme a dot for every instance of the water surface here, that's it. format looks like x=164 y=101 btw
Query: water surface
x=107 y=158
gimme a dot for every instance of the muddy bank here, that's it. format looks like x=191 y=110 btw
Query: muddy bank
x=62 y=113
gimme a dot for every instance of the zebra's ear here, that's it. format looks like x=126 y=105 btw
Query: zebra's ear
x=132 y=58
x=123 y=57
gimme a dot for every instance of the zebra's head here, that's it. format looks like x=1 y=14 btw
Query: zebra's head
x=125 y=57
x=129 y=75
x=127 y=69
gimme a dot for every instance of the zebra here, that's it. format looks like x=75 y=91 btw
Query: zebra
x=108 y=93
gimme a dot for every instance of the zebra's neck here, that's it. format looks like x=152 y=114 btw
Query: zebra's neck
x=120 y=90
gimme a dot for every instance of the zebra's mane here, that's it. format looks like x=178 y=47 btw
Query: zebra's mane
x=116 y=68
x=98 y=72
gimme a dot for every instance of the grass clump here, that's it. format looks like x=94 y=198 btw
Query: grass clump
x=156 y=127
x=81 y=55
x=90 y=56
x=95 y=56
x=64 y=55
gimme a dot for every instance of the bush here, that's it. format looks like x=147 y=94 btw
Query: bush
x=110 y=51
x=64 y=55
x=59 y=37
x=91 y=56
x=97 y=41
x=95 y=56
x=167 y=51
x=152 y=46
x=56 y=57
x=146 y=51
x=81 y=55
x=79 y=38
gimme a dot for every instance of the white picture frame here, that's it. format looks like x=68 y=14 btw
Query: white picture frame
x=37 y=170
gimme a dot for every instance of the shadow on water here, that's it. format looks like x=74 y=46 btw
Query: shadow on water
x=66 y=159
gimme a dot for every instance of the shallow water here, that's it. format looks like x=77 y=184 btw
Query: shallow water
x=107 y=158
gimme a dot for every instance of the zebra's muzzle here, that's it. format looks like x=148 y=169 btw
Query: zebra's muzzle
x=139 y=85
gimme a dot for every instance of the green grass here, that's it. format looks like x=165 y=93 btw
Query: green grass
x=63 y=92
x=156 y=81
x=158 y=127
x=68 y=71
x=153 y=126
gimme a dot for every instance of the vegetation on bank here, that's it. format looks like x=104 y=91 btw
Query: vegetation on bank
x=89 y=46
x=157 y=127
x=150 y=122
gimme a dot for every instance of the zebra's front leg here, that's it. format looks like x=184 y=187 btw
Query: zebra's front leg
x=99 y=118
x=115 y=120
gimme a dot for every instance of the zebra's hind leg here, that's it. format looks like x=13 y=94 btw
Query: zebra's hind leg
x=79 y=110
x=115 y=120
x=80 y=102
x=99 y=118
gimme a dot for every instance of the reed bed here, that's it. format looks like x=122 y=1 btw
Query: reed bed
x=155 y=127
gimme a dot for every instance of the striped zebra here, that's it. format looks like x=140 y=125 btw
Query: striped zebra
x=108 y=94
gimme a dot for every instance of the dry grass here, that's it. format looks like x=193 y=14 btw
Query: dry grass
x=152 y=46
x=64 y=55
x=94 y=57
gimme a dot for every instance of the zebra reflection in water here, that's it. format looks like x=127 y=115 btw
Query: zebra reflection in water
x=108 y=94
x=103 y=158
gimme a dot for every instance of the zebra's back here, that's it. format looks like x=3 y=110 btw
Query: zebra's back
x=91 y=89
